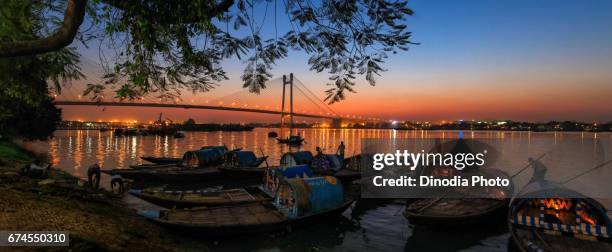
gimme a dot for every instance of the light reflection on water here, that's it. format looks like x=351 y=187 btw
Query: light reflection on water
x=374 y=226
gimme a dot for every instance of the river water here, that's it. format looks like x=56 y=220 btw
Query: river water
x=373 y=225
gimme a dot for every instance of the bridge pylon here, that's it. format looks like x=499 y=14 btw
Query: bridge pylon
x=285 y=83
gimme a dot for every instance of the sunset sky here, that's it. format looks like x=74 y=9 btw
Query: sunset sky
x=521 y=60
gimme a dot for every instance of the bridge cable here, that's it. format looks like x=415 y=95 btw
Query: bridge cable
x=319 y=99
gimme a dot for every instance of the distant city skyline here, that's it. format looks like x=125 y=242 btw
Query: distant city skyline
x=523 y=60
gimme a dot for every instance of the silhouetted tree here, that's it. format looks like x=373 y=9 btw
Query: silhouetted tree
x=163 y=46
x=26 y=109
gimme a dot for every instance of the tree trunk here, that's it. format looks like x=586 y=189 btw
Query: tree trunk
x=73 y=18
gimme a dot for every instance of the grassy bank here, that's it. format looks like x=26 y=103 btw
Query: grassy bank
x=96 y=220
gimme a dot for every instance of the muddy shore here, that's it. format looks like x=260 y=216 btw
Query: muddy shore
x=96 y=220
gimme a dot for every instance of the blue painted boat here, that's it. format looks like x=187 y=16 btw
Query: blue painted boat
x=316 y=200
x=274 y=176
x=297 y=171
x=299 y=197
x=296 y=158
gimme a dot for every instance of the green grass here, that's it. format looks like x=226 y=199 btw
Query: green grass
x=10 y=152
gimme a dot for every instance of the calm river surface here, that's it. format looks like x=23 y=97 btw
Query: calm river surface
x=373 y=225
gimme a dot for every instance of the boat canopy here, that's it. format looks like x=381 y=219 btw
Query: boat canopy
x=548 y=205
x=273 y=177
x=327 y=162
x=201 y=158
x=245 y=158
x=297 y=171
x=301 y=197
x=222 y=148
x=296 y=158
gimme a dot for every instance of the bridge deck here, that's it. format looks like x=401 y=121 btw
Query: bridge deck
x=185 y=106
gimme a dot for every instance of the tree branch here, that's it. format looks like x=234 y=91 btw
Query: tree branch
x=73 y=18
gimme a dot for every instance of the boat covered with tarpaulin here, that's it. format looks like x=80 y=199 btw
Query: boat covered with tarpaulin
x=546 y=216
x=291 y=140
x=302 y=197
x=303 y=201
x=203 y=158
x=296 y=158
x=275 y=176
x=244 y=164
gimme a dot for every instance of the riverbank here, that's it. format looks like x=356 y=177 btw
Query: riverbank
x=96 y=220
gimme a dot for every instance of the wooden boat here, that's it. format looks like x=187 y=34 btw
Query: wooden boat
x=454 y=210
x=294 y=207
x=461 y=205
x=204 y=165
x=188 y=199
x=162 y=160
x=206 y=156
x=549 y=217
x=173 y=174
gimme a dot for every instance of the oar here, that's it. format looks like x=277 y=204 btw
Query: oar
x=264 y=156
x=527 y=166
x=587 y=171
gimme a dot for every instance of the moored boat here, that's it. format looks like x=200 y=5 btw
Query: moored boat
x=323 y=164
x=173 y=174
x=196 y=198
x=453 y=211
x=292 y=206
x=291 y=140
x=296 y=158
x=549 y=217
x=244 y=164
x=207 y=156
x=461 y=205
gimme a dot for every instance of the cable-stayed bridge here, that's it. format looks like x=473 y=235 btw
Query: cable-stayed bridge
x=295 y=99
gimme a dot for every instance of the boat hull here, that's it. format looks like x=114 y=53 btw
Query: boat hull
x=167 y=202
x=277 y=222
x=167 y=174
x=162 y=160
x=496 y=211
